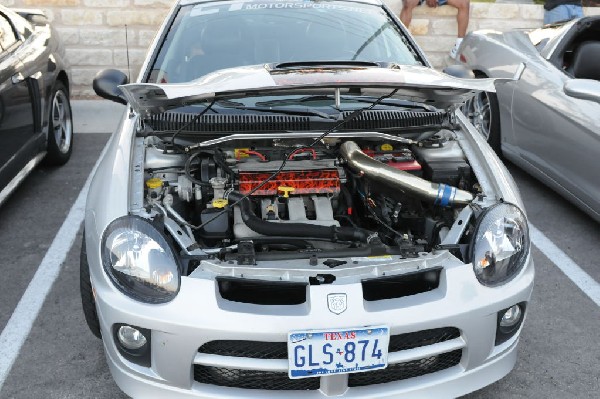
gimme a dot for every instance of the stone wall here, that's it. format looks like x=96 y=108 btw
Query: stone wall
x=94 y=30
x=94 y=33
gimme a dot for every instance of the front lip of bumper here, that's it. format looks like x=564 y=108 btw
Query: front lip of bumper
x=198 y=315
x=443 y=384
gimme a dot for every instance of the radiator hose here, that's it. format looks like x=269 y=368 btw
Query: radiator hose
x=333 y=233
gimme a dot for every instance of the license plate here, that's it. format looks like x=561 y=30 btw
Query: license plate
x=337 y=351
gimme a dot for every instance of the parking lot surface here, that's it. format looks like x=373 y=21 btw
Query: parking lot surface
x=558 y=354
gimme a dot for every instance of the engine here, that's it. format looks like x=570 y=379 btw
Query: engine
x=285 y=194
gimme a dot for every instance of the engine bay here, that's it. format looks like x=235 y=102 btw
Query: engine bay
x=245 y=199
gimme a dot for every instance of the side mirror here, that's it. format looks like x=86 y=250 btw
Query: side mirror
x=36 y=19
x=106 y=85
x=583 y=89
x=459 y=71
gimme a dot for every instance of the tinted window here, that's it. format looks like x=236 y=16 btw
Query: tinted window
x=7 y=35
x=213 y=36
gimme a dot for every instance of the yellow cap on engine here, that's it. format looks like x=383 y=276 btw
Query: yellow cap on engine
x=154 y=183
x=387 y=147
x=286 y=191
x=220 y=203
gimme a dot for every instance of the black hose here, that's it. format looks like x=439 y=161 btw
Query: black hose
x=333 y=233
x=188 y=170
x=218 y=158
x=347 y=200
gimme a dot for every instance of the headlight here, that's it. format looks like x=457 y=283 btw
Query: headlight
x=139 y=260
x=500 y=244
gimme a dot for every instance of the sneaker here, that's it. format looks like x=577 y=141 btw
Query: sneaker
x=454 y=51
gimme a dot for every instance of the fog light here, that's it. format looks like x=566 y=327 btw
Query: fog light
x=511 y=317
x=509 y=322
x=131 y=338
x=133 y=343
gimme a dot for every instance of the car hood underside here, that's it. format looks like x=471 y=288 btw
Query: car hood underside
x=415 y=83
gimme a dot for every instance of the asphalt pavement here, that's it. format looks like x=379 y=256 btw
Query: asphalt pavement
x=559 y=355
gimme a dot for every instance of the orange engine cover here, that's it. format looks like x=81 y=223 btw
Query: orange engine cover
x=325 y=181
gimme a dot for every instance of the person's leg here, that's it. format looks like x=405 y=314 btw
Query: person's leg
x=557 y=14
x=407 y=9
x=462 y=18
x=575 y=11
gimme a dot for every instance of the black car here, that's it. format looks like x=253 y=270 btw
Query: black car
x=35 y=113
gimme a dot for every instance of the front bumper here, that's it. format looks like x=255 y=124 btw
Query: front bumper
x=199 y=315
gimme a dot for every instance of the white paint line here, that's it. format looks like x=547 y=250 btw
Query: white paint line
x=19 y=325
x=572 y=270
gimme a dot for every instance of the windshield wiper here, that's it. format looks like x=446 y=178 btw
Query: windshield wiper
x=307 y=112
x=363 y=99
x=395 y=103
x=320 y=64
x=294 y=101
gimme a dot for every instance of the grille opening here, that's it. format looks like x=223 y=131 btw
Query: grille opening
x=252 y=379
x=394 y=119
x=232 y=122
x=262 y=292
x=173 y=121
x=422 y=338
x=403 y=371
x=400 y=286
x=250 y=349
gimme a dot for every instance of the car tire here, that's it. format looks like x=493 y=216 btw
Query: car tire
x=484 y=113
x=60 y=127
x=87 y=295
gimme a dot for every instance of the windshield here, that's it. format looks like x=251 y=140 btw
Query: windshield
x=217 y=35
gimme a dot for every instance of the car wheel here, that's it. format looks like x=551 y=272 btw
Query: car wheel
x=87 y=295
x=484 y=113
x=60 y=127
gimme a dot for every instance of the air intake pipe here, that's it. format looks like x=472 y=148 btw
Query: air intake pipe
x=439 y=194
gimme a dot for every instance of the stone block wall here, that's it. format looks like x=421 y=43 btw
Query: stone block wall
x=94 y=30
x=94 y=33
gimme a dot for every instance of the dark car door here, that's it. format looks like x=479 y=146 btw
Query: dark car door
x=16 y=113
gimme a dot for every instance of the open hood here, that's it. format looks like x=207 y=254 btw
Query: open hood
x=415 y=83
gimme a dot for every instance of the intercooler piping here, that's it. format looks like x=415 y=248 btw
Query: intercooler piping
x=266 y=228
x=439 y=194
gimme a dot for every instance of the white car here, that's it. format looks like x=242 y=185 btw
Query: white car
x=294 y=205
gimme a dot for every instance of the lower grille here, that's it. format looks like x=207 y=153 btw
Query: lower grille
x=278 y=350
x=403 y=371
x=279 y=381
x=252 y=379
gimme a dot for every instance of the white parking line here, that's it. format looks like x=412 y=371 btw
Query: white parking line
x=19 y=325
x=572 y=270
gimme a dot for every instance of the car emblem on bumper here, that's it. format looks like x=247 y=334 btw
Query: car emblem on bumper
x=337 y=303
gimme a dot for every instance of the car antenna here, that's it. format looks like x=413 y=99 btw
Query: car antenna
x=127 y=50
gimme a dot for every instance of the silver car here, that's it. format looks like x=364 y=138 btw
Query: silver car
x=547 y=121
x=294 y=205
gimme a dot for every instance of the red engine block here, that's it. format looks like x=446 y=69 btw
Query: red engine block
x=325 y=181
